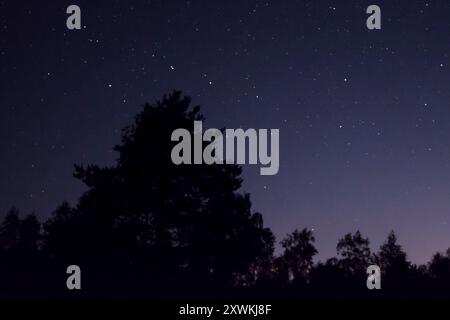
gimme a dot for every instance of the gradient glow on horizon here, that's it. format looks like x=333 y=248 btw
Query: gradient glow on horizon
x=364 y=116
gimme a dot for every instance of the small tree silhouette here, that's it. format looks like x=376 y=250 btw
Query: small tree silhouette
x=439 y=272
x=391 y=255
x=10 y=230
x=297 y=259
x=354 y=252
x=30 y=235
x=394 y=264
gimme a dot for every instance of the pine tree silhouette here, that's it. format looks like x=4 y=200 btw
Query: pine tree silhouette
x=183 y=222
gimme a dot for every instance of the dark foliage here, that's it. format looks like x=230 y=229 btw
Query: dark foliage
x=147 y=228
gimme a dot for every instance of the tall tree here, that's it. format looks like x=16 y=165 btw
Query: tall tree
x=191 y=217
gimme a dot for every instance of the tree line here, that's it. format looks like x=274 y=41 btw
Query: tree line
x=146 y=228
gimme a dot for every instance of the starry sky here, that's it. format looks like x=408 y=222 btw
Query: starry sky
x=364 y=115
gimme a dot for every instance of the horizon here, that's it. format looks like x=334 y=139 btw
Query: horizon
x=363 y=115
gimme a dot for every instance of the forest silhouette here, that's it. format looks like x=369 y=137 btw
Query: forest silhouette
x=146 y=228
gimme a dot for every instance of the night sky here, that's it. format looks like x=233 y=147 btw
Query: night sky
x=364 y=116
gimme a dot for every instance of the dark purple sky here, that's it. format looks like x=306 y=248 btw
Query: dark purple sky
x=364 y=116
